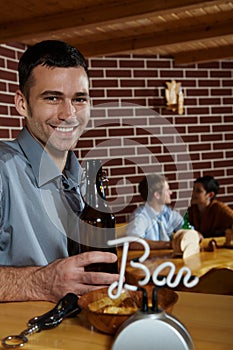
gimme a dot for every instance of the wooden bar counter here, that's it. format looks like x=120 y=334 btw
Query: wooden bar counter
x=207 y=317
x=214 y=268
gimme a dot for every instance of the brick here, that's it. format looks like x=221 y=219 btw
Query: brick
x=103 y=63
x=227 y=82
x=225 y=145
x=196 y=74
x=171 y=74
x=212 y=155
x=132 y=63
x=228 y=119
x=220 y=74
x=5 y=98
x=118 y=73
x=227 y=65
x=6 y=52
x=228 y=101
x=7 y=75
x=94 y=73
x=3 y=110
x=196 y=110
x=221 y=92
x=229 y=137
x=197 y=92
x=143 y=73
x=9 y=122
x=210 y=119
x=106 y=83
x=121 y=132
x=222 y=164
x=133 y=83
x=222 y=128
x=159 y=64
x=4 y=134
x=208 y=65
x=12 y=65
x=97 y=93
x=211 y=137
x=208 y=82
x=199 y=147
x=209 y=101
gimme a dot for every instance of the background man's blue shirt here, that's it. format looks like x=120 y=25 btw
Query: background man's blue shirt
x=149 y=224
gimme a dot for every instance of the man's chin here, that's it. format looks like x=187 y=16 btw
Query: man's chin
x=61 y=147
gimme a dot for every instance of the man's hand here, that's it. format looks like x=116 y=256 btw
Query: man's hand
x=53 y=281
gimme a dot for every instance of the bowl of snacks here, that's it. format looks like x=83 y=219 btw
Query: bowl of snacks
x=107 y=314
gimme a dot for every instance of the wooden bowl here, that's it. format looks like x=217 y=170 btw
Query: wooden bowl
x=109 y=323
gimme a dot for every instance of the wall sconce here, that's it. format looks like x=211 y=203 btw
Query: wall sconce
x=174 y=97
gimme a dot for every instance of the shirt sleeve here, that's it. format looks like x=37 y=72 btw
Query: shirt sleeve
x=176 y=221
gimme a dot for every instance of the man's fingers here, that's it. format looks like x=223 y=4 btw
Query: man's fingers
x=88 y=258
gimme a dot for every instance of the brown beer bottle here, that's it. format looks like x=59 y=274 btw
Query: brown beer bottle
x=97 y=223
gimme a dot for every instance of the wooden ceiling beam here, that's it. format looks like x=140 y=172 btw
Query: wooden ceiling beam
x=108 y=13
x=205 y=55
x=154 y=40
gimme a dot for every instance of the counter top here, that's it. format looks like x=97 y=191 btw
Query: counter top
x=208 y=318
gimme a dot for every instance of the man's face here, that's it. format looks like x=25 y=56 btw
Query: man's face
x=165 y=196
x=58 y=109
x=199 y=195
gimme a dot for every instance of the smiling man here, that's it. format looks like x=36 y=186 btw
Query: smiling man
x=40 y=180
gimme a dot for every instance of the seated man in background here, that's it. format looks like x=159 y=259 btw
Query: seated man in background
x=208 y=215
x=154 y=221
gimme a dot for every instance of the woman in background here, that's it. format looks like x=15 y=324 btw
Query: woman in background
x=208 y=215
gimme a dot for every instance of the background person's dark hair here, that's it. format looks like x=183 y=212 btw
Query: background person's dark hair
x=50 y=53
x=209 y=183
x=151 y=184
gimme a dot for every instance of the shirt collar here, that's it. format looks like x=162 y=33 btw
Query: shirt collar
x=43 y=167
x=152 y=213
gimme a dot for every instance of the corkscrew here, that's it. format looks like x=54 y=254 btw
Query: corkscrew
x=66 y=307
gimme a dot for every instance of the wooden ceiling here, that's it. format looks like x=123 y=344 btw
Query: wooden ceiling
x=189 y=30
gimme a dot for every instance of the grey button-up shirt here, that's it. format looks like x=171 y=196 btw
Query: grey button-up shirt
x=35 y=217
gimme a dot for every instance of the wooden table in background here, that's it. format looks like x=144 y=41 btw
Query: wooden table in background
x=208 y=318
x=202 y=265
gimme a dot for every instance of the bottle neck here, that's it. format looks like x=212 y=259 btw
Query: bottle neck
x=95 y=193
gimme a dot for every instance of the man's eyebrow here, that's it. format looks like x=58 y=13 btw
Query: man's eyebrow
x=59 y=93
x=51 y=92
x=82 y=94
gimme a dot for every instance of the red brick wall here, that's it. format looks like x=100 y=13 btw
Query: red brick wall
x=132 y=131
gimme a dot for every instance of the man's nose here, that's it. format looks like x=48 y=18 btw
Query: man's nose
x=68 y=110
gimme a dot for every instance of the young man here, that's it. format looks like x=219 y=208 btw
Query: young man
x=154 y=221
x=39 y=178
x=209 y=216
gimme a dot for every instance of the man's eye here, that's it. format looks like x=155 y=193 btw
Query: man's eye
x=51 y=98
x=80 y=100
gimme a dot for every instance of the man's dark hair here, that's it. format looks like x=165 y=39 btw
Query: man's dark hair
x=50 y=53
x=209 y=183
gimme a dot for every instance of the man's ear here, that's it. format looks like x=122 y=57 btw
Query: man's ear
x=157 y=195
x=21 y=103
x=211 y=195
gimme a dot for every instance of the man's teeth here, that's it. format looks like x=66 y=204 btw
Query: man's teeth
x=64 y=129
